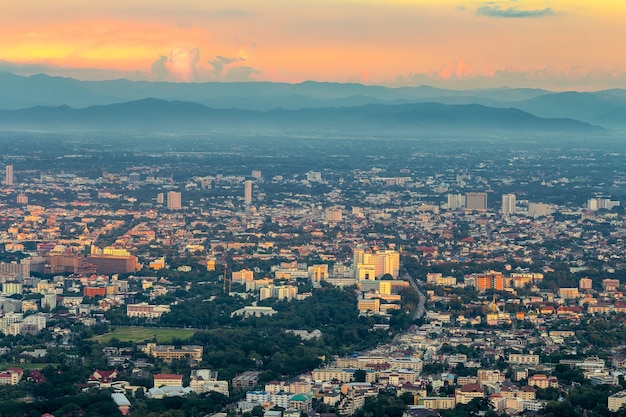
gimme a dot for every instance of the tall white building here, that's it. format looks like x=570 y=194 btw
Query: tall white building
x=174 y=200
x=8 y=178
x=456 y=201
x=508 y=203
x=247 y=192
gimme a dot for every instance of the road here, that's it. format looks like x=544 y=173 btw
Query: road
x=421 y=308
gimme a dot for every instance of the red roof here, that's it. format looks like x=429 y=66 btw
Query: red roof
x=168 y=376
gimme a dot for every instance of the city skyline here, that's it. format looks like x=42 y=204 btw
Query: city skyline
x=548 y=44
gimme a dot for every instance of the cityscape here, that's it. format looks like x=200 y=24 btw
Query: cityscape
x=281 y=278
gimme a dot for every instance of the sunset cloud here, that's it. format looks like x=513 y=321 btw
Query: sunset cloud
x=513 y=12
x=324 y=40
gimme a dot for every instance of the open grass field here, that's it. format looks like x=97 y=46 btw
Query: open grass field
x=140 y=334
x=27 y=366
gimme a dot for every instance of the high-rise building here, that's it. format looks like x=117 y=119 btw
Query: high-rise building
x=508 y=203
x=476 y=201
x=160 y=198
x=247 y=192
x=370 y=265
x=256 y=174
x=333 y=214
x=8 y=178
x=456 y=201
x=174 y=200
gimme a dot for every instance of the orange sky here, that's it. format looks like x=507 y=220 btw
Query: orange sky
x=557 y=44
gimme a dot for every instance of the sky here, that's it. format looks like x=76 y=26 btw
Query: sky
x=553 y=44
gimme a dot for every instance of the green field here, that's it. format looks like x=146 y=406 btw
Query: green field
x=27 y=366
x=140 y=334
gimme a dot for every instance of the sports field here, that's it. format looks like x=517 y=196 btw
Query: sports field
x=140 y=334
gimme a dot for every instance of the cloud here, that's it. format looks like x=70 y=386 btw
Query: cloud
x=513 y=12
x=159 y=68
x=219 y=62
x=241 y=73
x=179 y=65
x=461 y=75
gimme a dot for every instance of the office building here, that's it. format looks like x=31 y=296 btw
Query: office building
x=476 y=201
x=8 y=178
x=174 y=200
x=333 y=214
x=247 y=192
x=508 y=204
x=456 y=201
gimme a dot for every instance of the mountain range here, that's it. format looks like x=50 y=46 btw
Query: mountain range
x=41 y=101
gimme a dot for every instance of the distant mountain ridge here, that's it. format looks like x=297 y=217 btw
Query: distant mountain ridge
x=156 y=114
x=603 y=108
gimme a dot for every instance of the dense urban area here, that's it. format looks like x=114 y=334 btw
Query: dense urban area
x=203 y=275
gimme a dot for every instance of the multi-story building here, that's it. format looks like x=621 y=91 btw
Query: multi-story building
x=145 y=310
x=508 y=204
x=585 y=284
x=11 y=376
x=523 y=359
x=174 y=200
x=169 y=353
x=8 y=175
x=616 y=401
x=247 y=192
x=437 y=403
x=168 y=380
x=247 y=379
x=476 y=201
x=467 y=393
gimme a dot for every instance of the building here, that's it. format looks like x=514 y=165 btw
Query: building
x=476 y=201
x=601 y=203
x=610 y=285
x=8 y=175
x=543 y=381
x=523 y=359
x=11 y=376
x=243 y=276
x=508 y=204
x=456 y=201
x=585 y=284
x=333 y=214
x=205 y=380
x=616 y=401
x=379 y=263
x=168 y=380
x=174 y=200
x=145 y=310
x=247 y=192
x=122 y=403
x=169 y=353
x=539 y=210
x=468 y=392
x=256 y=174
x=437 y=403
x=112 y=264
x=248 y=379
x=568 y=293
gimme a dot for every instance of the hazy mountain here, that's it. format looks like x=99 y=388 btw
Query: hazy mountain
x=596 y=108
x=155 y=114
x=21 y=92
